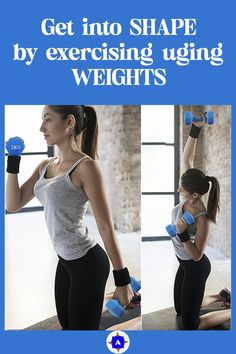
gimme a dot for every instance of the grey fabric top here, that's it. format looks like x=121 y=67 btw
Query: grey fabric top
x=177 y=213
x=64 y=208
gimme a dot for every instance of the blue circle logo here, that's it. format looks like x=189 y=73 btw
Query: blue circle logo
x=118 y=342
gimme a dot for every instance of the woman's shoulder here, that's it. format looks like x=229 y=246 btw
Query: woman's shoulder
x=40 y=166
x=197 y=208
x=88 y=173
x=200 y=206
x=43 y=163
x=88 y=166
x=87 y=161
x=85 y=157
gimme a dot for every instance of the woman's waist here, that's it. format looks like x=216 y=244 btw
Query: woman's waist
x=73 y=217
x=62 y=228
x=204 y=262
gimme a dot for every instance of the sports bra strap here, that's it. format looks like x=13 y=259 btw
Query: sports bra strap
x=199 y=214
x=43 y=169
x=75 y=165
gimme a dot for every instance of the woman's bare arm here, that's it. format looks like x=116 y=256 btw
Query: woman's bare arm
x=93 y=184
x=196 y=249
x=187 y=161
x=92 y=181
x=16 y=196
x=188 y=154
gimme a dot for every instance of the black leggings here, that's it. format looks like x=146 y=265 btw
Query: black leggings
x=79 y=290
x=189 y=290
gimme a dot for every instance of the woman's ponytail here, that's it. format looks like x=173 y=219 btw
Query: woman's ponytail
x=90 y=133
x=213 y=204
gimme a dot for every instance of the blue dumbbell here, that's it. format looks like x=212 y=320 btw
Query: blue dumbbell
x=15 y=146
x=114 y=306
x=171 y=229
x=189 y=117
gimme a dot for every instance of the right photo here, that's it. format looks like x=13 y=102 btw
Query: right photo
x=186 y=217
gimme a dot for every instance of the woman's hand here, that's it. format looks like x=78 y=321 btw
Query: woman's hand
x=199 y=115
x=124 y=295
x=181 y=226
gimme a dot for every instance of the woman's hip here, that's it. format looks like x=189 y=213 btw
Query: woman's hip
x=94 y=263
x=202 y=267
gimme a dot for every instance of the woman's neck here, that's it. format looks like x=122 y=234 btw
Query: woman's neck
x=66 y=153
x=193 y=202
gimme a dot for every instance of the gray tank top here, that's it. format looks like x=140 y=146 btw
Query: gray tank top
x=177 y=213
x=64 y=208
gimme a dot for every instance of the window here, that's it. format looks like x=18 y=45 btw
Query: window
x=25 y=121
x=160 y=171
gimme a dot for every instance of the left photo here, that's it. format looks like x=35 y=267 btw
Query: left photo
x=72 y=223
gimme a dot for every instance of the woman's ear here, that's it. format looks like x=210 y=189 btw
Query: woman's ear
x=195 y=195
x=70 y=120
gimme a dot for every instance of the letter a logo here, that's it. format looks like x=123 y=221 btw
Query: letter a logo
x=118 y=342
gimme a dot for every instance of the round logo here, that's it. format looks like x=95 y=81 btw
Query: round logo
x=118 y=342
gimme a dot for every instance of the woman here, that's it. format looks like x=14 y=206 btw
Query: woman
x=64 y=184
x=191 y=240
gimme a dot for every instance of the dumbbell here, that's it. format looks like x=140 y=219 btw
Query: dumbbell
x=189 y=117
x=15 y=146
x=114 y=306
x=171 y=229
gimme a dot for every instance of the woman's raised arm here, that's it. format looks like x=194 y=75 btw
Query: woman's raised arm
x=188 y=154
x=187 y=160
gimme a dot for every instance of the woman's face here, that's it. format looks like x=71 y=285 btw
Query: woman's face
x=183 y=192
x=54 y=128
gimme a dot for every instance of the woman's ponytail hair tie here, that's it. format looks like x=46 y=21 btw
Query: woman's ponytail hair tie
x=208 y=178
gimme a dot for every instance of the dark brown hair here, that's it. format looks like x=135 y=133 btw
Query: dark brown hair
x=195 y=181
x=86 y=127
